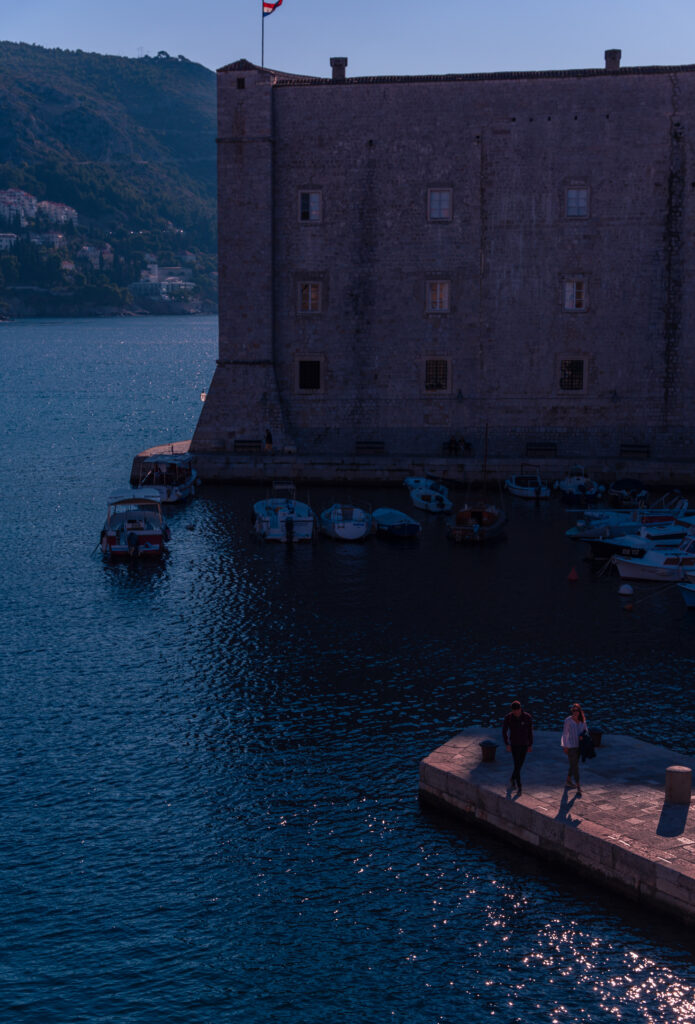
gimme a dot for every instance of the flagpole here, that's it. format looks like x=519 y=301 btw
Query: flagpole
x=262 y=37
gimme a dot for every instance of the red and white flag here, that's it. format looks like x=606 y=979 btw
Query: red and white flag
x=269 y=6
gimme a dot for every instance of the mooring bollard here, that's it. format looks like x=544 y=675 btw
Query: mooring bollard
x=488 y=748
x=678 y=784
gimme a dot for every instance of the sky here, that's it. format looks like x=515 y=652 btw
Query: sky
x=379 y=37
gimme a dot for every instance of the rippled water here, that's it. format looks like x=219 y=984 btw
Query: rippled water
x=209 y=768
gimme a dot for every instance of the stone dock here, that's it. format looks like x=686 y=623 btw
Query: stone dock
x=621 y=831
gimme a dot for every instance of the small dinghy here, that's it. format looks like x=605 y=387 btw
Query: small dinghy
x=429 y=500
x=527 y=484
x=392 y=523
x=346 y=522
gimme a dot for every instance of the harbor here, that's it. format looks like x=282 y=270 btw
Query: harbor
x=630 y=829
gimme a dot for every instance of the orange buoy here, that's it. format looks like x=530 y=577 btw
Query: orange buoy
x=573 y=575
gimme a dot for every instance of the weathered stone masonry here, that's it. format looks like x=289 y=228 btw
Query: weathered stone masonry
x=614 y=371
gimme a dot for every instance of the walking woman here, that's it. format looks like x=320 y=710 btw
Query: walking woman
x=574 y=727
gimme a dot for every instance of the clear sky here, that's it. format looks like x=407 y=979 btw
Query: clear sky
x=379 y=37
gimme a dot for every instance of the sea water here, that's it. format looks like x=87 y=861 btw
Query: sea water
x=209 y=767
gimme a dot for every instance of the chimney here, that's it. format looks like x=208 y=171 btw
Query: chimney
x=613 y=59
x=339 y=64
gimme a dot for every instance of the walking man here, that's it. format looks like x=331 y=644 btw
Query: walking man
x=517 y=735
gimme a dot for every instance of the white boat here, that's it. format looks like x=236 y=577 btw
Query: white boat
x=346 y=522
x=172 y=476
x=418 y=483
x=429 y=500
x=579 y=487
x=635 y=545
x=391 y=522
x=527 y=484
x=135 y=527
x=283 y=518
x=602 y=523
x=627 y=491
x=659 y=565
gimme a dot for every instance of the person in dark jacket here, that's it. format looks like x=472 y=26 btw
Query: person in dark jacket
x=517 y=735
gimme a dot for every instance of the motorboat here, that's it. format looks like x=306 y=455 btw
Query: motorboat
x=135 y=527
x=627 y=492
x=635 y=545
x=659 y=565
x=391 y=522
x=578 y=488
x=527 y=484
x=601 y=523
x=346 y=522
x=172 y=476
x=419 y=483
x=430 y=500
x=281 y=517
x=477 y=523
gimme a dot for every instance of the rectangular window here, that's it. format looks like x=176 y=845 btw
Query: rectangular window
x=575 y=294
x=571 y=374
x=436 y=375
x=310 y=297
x=577 y=202
x=310 y=207
x=437 y=296
x=439 y=204
x=309 y=375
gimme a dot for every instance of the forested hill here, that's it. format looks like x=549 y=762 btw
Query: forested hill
x=129 y=143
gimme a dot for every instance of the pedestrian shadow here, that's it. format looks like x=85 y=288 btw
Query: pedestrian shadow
x=673 y=819
x=564 y=813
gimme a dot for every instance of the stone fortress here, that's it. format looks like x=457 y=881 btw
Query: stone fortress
x=413 y=268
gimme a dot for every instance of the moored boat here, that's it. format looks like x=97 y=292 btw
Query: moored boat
x=478 y=523
x=659 y=565
x=430 y=500
x=687 y=592
x=418 y=483
x=172 y=476
x=527 y=484
x=578 y=488
x=346 y=522
x=135 y=527
x=391 y=522
x=283 y=518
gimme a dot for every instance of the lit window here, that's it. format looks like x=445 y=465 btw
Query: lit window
x=577 y=202
x=571 y=374
x=439 y=204
x=436 y=375
x=575 y=294
x=310 y=207
x=437 y=296
x=309 y=375
x=310 y=297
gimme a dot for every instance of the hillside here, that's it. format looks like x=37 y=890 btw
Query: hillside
x=129 y=143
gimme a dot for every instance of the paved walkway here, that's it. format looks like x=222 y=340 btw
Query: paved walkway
x=620 y=829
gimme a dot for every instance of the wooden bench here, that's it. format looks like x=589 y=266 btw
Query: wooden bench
x=542 y=449
x=635 y=450
x=244 y=447
x=369 y=447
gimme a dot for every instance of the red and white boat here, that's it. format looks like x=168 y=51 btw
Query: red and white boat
x=659 y=564
x=135 y=527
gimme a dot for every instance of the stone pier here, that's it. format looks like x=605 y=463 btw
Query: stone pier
x=621 y=831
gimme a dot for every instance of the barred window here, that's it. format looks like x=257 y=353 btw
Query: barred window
x=439 y=204
x=436 y=375
x=310 y=296
x=437 y=296
x=577 y=202
x=310 y=207
x=571 y=374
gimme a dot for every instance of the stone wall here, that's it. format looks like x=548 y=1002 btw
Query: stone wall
x=508 y=147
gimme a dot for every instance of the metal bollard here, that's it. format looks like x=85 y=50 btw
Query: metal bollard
x=678 y=784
